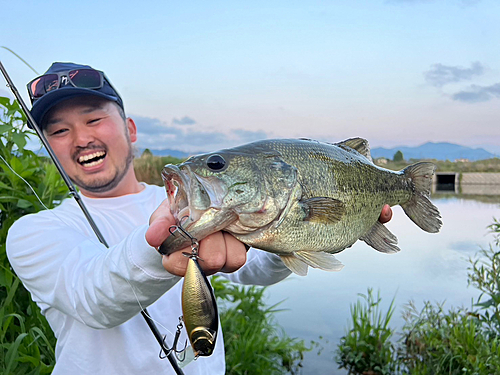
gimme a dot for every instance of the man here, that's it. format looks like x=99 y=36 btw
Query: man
x=92 y=295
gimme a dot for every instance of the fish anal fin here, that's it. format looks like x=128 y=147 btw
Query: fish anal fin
x=359 y=144
x=381 y=239
x=319 y=259
x=294 y=264
x=323 y=210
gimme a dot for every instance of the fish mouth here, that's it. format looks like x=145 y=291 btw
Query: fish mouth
x=177 y=185
x=196 y=204
x=189 y=196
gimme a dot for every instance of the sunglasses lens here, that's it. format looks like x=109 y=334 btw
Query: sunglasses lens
x=43 y=85
x=86 y=78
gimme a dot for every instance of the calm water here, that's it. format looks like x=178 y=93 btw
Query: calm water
x=430 y=267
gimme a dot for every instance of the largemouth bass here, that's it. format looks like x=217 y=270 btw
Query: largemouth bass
x=301 y=199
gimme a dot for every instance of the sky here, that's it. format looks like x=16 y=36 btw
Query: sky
x=203 y=75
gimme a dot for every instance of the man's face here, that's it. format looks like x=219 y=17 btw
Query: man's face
x=93 y=143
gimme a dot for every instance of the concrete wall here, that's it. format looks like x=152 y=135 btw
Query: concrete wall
x=471 y=183
x=480 y=183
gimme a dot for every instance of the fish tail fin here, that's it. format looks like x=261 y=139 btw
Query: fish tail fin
x=419 y=208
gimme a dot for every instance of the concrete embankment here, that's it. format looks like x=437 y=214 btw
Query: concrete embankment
x=468 y=183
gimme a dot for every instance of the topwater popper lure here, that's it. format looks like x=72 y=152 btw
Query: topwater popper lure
x=199 y=306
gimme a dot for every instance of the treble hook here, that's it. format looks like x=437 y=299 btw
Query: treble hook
x=174 y=344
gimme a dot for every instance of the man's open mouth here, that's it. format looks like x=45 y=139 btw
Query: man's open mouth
x=92 y=159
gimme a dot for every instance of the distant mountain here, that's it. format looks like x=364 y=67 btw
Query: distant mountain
x=430 y=150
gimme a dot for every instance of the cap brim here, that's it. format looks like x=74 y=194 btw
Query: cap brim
x=48 y=101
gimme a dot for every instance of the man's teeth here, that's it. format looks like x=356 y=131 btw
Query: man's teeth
x=85 y=158
x=91 y=164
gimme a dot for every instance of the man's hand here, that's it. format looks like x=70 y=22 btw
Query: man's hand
x=219 y=252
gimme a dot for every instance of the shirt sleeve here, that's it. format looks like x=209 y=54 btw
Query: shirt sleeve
x=261 y=268
x=66 y=270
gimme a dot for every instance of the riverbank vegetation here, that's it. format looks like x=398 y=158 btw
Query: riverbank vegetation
x=433 y=340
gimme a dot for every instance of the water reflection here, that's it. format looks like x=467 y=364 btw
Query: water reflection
x=429 y=267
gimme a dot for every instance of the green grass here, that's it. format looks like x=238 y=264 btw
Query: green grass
x=254 y=342
x=367 y=346
x=447 y=342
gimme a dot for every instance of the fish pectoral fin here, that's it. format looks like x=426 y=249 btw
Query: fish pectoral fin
x=359 y=144
x=323 y=210
x=294 y=264
x=319 y=259
x=381 y=239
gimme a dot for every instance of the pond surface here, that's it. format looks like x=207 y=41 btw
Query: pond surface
x=429 y=267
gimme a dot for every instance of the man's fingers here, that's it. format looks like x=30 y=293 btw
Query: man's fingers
x=159 y=230
x=176 y=263
x=386 y=214
x=236 y=255
x=212 y=253
x=219 y=252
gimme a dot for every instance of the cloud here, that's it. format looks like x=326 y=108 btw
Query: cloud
x=152 y=126
x=478 y=93
x=184 y=121
x=440 y=75
x=156 y=134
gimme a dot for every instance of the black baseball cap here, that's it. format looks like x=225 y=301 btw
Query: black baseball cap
x=68 y=89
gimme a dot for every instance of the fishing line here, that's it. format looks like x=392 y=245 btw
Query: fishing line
x=27 y=183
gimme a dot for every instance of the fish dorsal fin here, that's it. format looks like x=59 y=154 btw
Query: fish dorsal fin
x=359 y=144
x=320 y=259
x=294 y=264
x=323 y=210
x=381 y=239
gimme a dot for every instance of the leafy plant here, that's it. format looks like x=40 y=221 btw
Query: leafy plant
x=26 y=340
x=367 y=348
x=254 y=342
x=452 y=342
x=484 y=276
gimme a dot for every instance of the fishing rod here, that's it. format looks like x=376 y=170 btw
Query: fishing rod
x=74 y=193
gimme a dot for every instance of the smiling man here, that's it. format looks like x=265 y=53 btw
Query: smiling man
x=92 y=295
x=99 y=140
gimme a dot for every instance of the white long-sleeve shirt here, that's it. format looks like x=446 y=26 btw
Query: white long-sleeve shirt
x=92 y=295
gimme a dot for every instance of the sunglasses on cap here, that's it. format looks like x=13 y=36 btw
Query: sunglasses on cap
x=82 y=78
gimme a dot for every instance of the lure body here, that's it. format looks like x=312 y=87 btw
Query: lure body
x=199 y=309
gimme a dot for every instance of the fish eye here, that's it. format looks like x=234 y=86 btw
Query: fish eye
x=216 y=162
